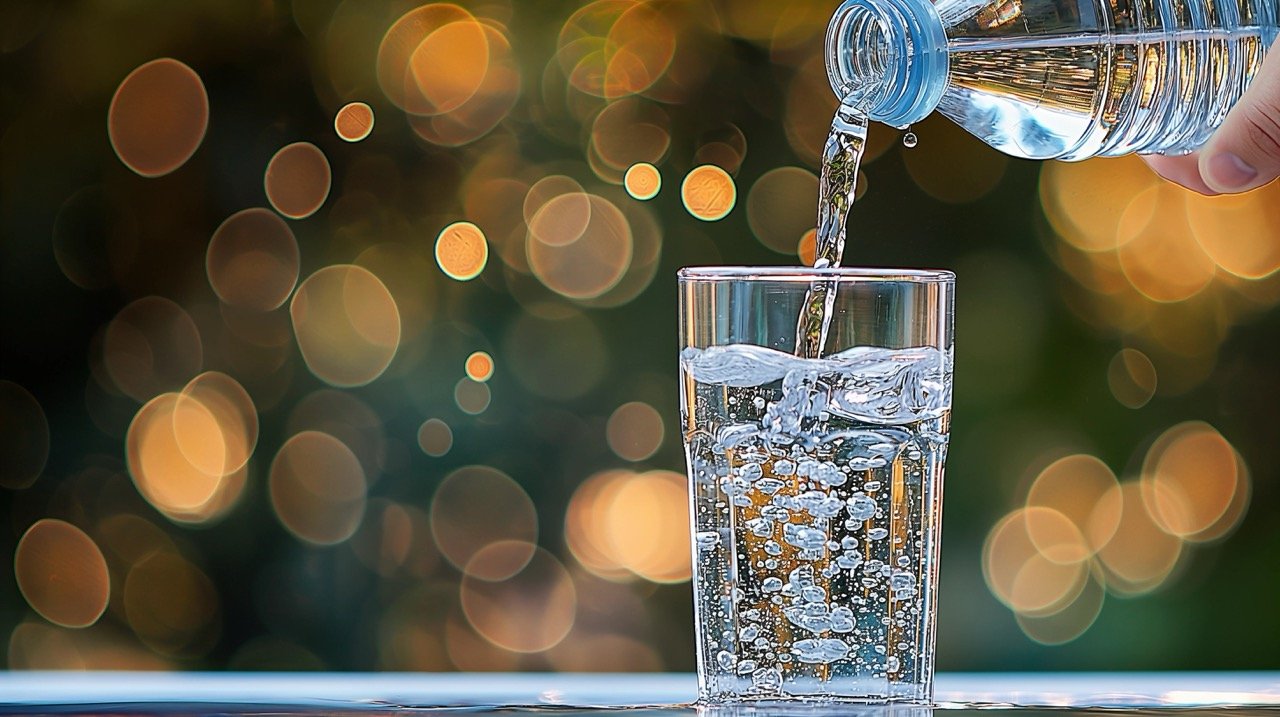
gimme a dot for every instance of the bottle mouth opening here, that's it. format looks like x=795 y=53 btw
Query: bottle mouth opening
x=893 y=52
x=859 y=52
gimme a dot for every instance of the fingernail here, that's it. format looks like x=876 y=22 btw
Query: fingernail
x=1230 y=172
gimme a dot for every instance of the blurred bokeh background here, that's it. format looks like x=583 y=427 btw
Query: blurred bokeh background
x=342 y=335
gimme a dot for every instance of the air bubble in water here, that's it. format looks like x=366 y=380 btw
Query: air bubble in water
x=901 y=580
x=746 y=667
x=849 y=561
x=726 y=659
x=866 y=464
x=766 y=679
x=820 y=650
x=828 y=508
x=776 y=513
x=814 y=617
x=842 y=619
x=813 y=593
x=733 y=487
x=708 y=539
x=804 y=537
x=790 y=502
x=801 y=577
x=771 y=585
x=861 y=507
x=769 y=486
x=818 y=503
x=829 y=474
x=877 y=534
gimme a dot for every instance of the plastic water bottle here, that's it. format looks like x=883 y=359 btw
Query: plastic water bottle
x=1064 y=79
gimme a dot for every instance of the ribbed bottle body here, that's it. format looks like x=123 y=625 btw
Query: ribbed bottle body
x=1071 y=79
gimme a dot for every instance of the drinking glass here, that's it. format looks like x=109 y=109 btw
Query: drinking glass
x=815 y=482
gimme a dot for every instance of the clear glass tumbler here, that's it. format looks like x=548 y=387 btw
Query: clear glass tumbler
x=815 y=483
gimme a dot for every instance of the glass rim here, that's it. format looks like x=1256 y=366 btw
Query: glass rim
x=808 y=274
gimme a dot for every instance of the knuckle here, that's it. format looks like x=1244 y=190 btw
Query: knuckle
x=1262 y=129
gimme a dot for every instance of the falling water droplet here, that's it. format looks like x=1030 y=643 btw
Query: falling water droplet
x=910 y=139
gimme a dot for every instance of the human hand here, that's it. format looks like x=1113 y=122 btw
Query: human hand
x=1244 y=153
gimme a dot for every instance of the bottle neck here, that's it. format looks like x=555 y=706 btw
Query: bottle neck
x=893 y=53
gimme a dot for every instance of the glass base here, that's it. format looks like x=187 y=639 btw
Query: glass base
x=801 y=691
x=803 y=706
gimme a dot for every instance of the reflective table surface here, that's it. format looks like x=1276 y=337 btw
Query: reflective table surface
x=638 y=694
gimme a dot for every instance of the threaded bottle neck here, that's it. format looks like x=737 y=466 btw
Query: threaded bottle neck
x=892 y=54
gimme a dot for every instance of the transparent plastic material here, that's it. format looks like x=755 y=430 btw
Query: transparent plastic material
x=1061 y=79
x=815 y=483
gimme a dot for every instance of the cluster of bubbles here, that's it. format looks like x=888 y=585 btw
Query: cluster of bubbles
x=1171 y=270
x=1082 y=534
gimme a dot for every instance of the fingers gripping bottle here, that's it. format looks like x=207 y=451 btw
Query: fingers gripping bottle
x=1061 y=79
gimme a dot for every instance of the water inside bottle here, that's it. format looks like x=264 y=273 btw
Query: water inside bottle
x=1055 y=79
x=1073 y=98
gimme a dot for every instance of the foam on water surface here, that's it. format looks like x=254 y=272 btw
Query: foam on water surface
x=876 y=385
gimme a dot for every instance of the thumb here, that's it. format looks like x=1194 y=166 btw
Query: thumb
x=1245 y=151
